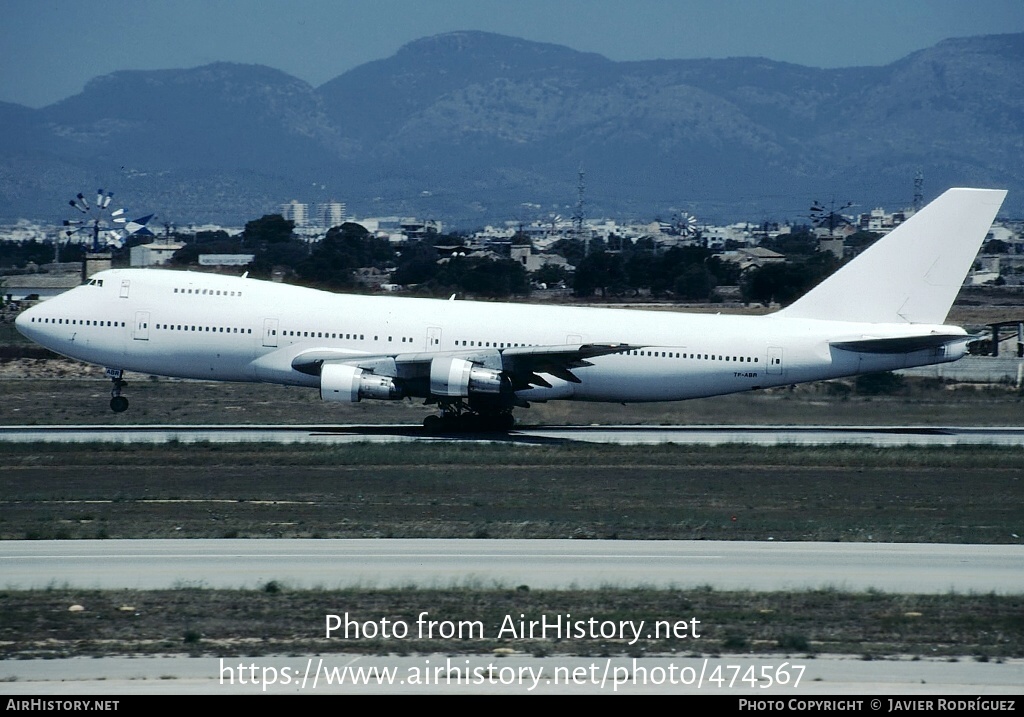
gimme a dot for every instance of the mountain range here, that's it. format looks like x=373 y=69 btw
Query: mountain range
x=472 y=127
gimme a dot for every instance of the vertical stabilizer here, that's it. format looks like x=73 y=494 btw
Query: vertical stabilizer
x=913 y=274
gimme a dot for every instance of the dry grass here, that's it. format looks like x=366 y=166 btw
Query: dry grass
x=275 y=620
x=469 y=490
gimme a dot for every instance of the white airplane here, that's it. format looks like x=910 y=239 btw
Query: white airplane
x=476 y=361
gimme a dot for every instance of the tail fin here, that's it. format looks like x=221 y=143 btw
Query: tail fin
x=913 y=274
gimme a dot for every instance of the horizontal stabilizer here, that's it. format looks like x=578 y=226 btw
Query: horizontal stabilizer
x=898 y=344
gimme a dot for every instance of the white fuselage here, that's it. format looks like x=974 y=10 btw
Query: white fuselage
x=208 y=326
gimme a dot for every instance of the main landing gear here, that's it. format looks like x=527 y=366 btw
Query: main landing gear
x=470 y=423
x=118 y=403
x=457 y=418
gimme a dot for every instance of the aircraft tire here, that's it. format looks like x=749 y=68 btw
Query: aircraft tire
x=119 y=404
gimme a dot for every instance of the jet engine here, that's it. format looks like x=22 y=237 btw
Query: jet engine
x=343 y=382
x=450 y=376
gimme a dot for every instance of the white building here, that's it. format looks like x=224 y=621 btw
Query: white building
x=153 y=254
x=877 y=220
x=226 y=259
x=533 y=262
x=331 y=214
x=296 y=211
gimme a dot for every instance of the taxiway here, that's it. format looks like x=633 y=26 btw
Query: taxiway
x=880 y=436
x=550 y=564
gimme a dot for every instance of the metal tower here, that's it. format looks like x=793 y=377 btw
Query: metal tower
x=577 y=218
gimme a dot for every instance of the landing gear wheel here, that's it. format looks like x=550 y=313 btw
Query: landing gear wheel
x=432 y=424
x=118 y=403
x=468 y=421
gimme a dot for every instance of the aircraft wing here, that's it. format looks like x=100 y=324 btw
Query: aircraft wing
x=522 y=364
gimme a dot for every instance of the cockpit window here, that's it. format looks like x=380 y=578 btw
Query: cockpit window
x=95 y=282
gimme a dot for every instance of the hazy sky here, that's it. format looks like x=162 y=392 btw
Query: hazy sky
x=49 y=49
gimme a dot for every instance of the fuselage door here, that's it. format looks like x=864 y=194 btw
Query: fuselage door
x=433 y=338
x=774 y=360
x=125 y=285
x=141 y=332
x=270 y=332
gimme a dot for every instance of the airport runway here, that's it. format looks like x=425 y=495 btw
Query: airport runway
x=759 y=566
x=881 y=436
x=912 y=568
x=540 y=564
x=558 y=674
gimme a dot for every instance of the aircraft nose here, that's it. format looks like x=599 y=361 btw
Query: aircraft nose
x=23 y=321
x=20 y=321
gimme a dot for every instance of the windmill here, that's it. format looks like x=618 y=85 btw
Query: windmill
x=102 y=221
x=553 y=220
x=830 y=216
x=686 y=225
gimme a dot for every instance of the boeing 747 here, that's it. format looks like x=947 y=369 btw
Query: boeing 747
x=477 y=361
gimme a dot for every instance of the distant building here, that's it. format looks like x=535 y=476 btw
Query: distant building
x=95 y=262
x=37 y=286
x=398 y=230
x=419 y=229
x=226 y=259
x=833 y=245
x=297 y=212
x=750 y=257
x=878 y=221
x=331 y=214
x=1007 y=236
x=372 y=277
x=153 y=254
x=534 y=262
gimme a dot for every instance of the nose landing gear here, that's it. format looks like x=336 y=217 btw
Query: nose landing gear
x=118 y=403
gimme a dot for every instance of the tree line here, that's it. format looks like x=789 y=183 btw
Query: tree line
x=616 y=268
x=334 y=262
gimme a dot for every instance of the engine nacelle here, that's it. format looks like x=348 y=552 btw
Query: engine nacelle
x=450 y=376
x=342 y=382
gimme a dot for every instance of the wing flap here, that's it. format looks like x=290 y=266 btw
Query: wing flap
x=580 y=351
x=523 y=364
